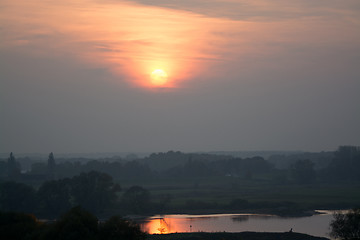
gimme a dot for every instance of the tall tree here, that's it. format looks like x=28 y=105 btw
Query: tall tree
x=17 y=197
x=51 y=166
x=117 y=228
x=14 y=168
x=94 y=191
x=76 y=224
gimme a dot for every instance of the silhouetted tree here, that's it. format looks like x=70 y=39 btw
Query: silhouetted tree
x=94 y=191
x=14 y=168
x=196 y=168
x=134 y=169
x=137 y=200
x=346 y=226
x=117 y=228
x=51 y=165
x=303 y=171
x=241 y=167
x=76 y=224
x=18 y=226
x=346 y=164
x=54 y=198
x=17 y=197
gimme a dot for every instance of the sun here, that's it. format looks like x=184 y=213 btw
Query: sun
x=159 y=77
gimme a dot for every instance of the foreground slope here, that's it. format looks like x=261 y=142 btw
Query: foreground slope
x=234 y=236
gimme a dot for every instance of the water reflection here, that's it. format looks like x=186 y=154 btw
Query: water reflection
x=317 y=225
x=165 y=225
x=188 y=223
x=240 y=218
x=247 y=217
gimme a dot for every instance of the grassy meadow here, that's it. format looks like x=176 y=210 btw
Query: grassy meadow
x=216 y=193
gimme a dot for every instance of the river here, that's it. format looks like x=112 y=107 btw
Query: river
x=316 y=225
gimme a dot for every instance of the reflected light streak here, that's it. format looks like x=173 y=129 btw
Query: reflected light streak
x=165 y=225
x=193 y=223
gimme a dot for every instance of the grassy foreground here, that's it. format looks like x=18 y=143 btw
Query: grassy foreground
x=234 y=236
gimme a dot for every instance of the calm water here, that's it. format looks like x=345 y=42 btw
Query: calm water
x=317 y=225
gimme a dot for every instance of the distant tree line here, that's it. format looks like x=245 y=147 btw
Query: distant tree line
x=341 y=165
x=53 y=187
x=187 y=165
x=345 y=166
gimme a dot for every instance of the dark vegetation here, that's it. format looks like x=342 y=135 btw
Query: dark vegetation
x=76 y=224
x=176 y=182
x=79 y=224
x=346 y=226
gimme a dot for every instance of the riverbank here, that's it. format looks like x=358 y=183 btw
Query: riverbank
x=281 y=212
x=269 y=212
x=234 y=236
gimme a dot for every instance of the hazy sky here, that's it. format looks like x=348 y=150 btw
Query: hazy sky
x=76 y=76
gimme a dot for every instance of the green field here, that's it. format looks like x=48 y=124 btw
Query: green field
x=261 y=193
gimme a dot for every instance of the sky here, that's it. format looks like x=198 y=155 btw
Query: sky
x=155 y=75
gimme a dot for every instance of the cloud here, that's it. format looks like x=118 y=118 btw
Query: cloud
x=245 y=75
x=262 y=10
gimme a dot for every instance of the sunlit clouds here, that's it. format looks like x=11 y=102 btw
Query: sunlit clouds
x=128 y=39
x=132 y=40
x=190 y=75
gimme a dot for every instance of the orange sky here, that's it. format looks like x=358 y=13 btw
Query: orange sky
x=132 y=40
x=236 y=70
x=127 y=38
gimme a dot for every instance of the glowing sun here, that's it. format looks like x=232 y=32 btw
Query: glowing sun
x=159 y=77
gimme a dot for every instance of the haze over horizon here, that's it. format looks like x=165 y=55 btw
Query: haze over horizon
x=235 y=75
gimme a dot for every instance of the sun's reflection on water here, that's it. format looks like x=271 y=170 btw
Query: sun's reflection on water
x=168 y=224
